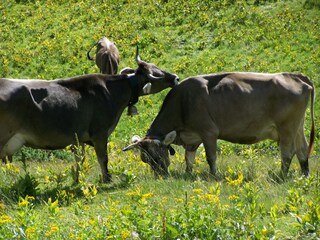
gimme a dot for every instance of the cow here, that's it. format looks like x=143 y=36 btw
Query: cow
x=107 y=60
x=52 y=114
x=107 y=56
x=237 y=107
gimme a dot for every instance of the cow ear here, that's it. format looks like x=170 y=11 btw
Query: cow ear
x=169 y=138
x=147 y=88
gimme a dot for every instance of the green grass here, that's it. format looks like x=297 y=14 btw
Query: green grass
x=49 y=39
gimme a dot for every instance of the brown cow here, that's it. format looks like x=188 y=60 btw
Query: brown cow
x=237 y=107
x=107 y=56
x=83 y=109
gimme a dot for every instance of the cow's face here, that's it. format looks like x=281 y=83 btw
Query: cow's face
x=158 y=78
x=153 y=152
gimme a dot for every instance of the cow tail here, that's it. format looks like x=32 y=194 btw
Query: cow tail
x=312 y=132
x=112 y=66
x=88 y=53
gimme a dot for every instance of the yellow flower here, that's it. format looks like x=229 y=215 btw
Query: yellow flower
x=179 y=200
x=147 y=195
x=52 y=229
x=30 y=231
x=24 y=202
x=132 y=194
x=211 y=198
x=233 y=197
x=125 y=234
x=235 y=182
x=2 y=206
x=197 y=190
x=264 y=231
x=4 y=219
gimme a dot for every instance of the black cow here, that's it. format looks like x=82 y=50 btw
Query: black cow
x=52 y=114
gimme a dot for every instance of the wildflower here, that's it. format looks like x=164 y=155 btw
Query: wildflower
x=211 y=198
x=53 y=206
x=52 y=229
x=125 y=234
x=197 y=190
x=179 y=200
x=217 y=222
x=4 y=219
x=24 y=202
x=2 y=206
x=235 y=182
x=30 y=231
x=147 y=195
x=264 y=231
x=233 y=197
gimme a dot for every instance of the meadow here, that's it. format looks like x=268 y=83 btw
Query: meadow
x=49 y=39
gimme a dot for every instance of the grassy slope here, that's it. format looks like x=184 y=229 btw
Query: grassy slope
x=49 y=40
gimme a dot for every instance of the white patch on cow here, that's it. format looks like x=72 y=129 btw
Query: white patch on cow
x=170 y=137
x=14 y=144
x=147 y=88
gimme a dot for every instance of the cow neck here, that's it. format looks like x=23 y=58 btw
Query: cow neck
x=134 y=84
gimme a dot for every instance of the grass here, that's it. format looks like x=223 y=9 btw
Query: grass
x=49 y=39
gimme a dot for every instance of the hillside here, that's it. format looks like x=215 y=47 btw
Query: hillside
x=49 y=40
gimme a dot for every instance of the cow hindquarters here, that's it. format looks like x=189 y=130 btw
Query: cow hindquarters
x=102 y=155
x=302 y=151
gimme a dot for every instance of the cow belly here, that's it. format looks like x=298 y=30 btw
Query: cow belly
x=252 y=135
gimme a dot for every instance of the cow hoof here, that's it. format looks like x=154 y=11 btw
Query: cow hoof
x=107 y=178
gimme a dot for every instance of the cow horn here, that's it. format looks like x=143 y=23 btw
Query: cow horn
x=147 y=88
x=138 y=59
x=131 y=146
x=150 y=76
x=135 y=141
x=88 y=53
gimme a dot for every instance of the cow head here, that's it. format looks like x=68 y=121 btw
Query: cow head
x=155 y=152
x=154 y=79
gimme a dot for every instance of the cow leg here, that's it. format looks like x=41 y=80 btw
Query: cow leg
x=102 y=155
x=210 y=146
x=287 y=149
x=189 y=157
x=302 y=151
x=7 y=159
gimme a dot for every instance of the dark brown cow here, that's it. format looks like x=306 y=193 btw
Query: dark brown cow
x=237 y=107
x=52 y=114
x=107 y=56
